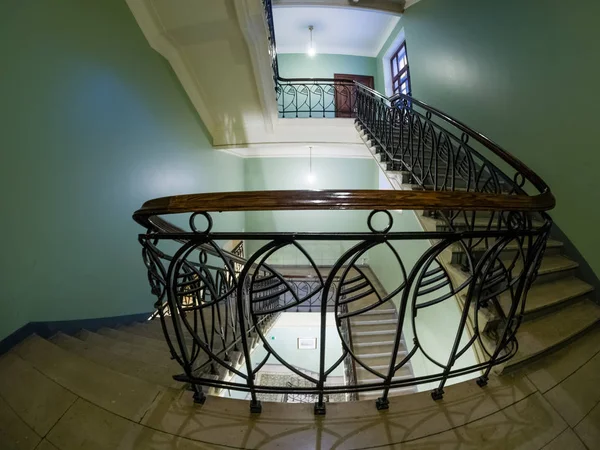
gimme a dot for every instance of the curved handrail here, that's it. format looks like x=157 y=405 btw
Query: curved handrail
x=339 y=200
x=510 y=159
x=542 y=202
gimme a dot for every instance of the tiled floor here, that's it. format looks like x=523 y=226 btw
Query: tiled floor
x=49 y=405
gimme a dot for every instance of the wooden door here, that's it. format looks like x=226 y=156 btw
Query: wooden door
x=345 y=95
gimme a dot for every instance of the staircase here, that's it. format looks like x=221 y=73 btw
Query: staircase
x=559 y=305
x=373 y=334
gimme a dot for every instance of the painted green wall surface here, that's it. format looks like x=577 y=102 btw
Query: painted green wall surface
x=526 y=75
x=94 y=123
x=300 y=65
x=383 y=64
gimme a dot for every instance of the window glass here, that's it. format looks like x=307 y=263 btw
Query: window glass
x=400 y=71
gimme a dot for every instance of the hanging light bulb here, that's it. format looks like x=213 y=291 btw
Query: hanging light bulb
x=311 y=51
x=311 y=177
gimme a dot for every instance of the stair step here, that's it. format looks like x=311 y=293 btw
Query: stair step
x=480 y=223
x=373 y=336
x=377 y=315
x=38 y=400
x=134 y=338
x=388 y=331
x=548 y=333
x=373 y=379
x=133 y=351
x=145 y=331
x=121 y=394
x=361 y=323
x=372 y=327
x=556 y=263
x=552 y=248
x=372 y=395
x=15 y=434
x=150 y=372
x=367 y=345
x=545 y=296
x=378 y=355
x=380 y=359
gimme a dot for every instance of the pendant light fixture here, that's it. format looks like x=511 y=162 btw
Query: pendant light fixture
x=311 y=51
x=311 y=178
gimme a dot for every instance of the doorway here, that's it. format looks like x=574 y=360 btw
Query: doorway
x=345 y=95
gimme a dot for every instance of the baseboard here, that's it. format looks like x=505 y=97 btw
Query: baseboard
x=47 y=329
x=585 y=272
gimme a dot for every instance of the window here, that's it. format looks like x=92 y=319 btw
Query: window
x=400 y=72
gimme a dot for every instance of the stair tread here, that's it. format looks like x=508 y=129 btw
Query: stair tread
x=134 y=338
x=551 y=293
x=481 y=222
x=370 y=395
x=38 y=400
x=121 y=394
x=373 y=344
x=512 y=245
x=374 y=332
x=545 y=333
x=14 y=432
x=149 y=372
x=556 y=263
x=373 y=379
x=550 y=264
x=379 y=312
x=128 y=349
x=378 y=355
x=370 y=321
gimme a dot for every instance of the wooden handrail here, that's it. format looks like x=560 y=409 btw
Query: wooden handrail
x=341 y=200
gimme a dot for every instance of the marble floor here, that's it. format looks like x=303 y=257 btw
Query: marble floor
x=49 y=402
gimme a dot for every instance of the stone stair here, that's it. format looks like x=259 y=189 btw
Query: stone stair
x=373 y=333
x=559 y=306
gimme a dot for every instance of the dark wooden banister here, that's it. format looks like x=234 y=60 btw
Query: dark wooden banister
x=340 y=200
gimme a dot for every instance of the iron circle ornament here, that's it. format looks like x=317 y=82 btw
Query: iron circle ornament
x=209 y=223
x=387 y=228
x=519 y=179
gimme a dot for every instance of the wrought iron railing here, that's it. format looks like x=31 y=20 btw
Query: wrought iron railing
x=258 y=291
x=491 y=220
x=308 y=97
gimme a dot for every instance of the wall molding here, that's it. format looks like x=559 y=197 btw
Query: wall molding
x=299 y=150
x=48 y=329
x=254 y=28
x=155 y=34
x=386 y=6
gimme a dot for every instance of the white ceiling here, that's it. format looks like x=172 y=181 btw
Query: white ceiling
x=343 y=31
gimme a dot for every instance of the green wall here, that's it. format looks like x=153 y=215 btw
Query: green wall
x=380 y=63
x=291 y=173
x=94 y=123
x=300 y=65
x=525 y=74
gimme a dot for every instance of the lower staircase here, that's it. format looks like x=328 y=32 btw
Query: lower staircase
x=559 y=306
x=373 y=336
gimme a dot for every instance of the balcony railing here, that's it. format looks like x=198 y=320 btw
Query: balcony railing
x=491 y=222
x=308 y=97
x=209 y=302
